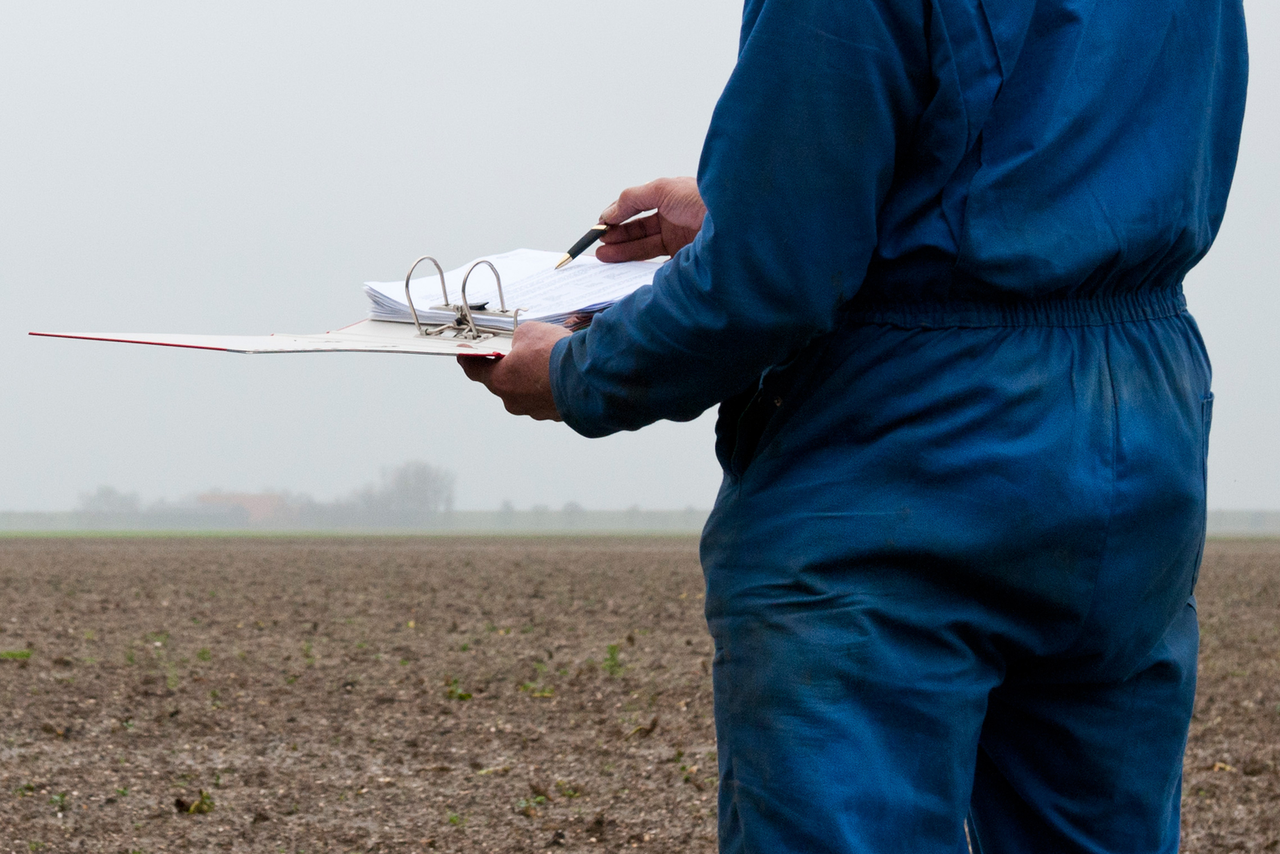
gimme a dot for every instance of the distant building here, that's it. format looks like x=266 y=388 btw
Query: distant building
x=261 y=508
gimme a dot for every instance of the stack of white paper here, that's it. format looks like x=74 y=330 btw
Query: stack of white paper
x=530 y=283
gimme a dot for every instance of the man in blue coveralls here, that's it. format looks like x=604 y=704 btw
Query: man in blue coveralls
x=963 y=411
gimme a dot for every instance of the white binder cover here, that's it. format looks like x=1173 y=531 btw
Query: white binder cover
x=366 y=336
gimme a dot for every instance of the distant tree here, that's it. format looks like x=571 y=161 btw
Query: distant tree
x=109 y=500
x=411 y=495
x=573 y=514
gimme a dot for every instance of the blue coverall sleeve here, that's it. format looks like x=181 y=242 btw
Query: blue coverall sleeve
x=834 y=84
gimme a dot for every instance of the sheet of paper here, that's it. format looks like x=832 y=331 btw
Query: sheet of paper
x=583 y=284
x=481 y=287
x=530 y=282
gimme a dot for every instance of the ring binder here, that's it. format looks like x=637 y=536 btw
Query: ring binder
x=569 y=298
x=464 y=324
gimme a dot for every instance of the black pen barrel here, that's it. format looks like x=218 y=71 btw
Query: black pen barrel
x=587 y=239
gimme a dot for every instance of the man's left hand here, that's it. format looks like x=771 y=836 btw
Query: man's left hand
x=522 y=378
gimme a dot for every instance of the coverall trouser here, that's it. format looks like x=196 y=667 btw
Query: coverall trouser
x=949 y=579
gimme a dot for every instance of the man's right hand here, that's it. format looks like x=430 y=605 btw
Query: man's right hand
x=678 y=212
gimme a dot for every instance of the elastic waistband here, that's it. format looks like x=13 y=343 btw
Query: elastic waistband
x=1151 y=304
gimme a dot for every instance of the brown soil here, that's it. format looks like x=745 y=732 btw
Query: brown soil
x=448 y=694
x=1230 y=782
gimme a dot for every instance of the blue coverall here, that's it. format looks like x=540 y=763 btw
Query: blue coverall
x=963 y=414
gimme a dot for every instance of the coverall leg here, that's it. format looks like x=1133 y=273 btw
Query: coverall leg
x=988 y=612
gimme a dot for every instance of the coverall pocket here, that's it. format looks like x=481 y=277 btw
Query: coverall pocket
x=1206 y=422
x=782 y=388
x=750 y=428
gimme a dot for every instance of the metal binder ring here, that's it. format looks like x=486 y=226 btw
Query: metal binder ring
x=465 y=307
x=502 y=302
x=409 y=297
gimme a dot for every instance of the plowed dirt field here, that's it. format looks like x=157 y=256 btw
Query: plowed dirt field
x=429 y=694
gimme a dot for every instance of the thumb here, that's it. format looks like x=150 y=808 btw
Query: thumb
x=632 y=201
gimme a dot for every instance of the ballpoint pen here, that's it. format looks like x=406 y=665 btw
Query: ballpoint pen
x=581 y=246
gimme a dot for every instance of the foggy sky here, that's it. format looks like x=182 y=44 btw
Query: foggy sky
x=244 y=167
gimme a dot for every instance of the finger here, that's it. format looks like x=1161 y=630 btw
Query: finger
x=531 y=332
x=635 y=250
x=637 y=229
x=478 y=368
